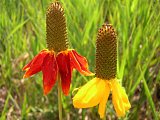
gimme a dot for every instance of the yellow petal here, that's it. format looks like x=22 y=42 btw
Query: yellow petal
x=102 y=105
x=119 y=99
x=90 y=94
x=82 y=91
x=126 y=102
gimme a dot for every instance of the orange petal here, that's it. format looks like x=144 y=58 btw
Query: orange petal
x=49 y=69
x=79 y=62
x=35 y=65
x=63 y=62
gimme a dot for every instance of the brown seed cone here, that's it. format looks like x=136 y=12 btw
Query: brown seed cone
x=56 y=28
x=106 y=53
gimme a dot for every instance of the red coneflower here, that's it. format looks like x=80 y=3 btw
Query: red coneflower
x=57 y=59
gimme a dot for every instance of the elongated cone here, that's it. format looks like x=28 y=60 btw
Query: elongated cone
x=56 y=28
x=106 y=53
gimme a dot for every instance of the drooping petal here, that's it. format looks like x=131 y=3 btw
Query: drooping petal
x=126 y=102
x=102 y=105
x=35 y=58
x=35 y=65
x=90 y=94
x=50 y=70
x=26 y=67
x=63 y=62
x=79 y=62
x=119 y=99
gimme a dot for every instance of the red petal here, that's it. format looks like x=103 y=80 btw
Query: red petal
x=28 y=65
x=79 y=62
x=63 y=61
x=35 y=65
x=49 y=69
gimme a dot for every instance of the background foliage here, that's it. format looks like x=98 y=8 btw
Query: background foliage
x=22 y=36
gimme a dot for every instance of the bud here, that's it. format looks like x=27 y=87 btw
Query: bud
x=106 y=53
x=56 y=28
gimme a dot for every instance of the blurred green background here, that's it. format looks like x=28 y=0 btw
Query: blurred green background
x=23 y=35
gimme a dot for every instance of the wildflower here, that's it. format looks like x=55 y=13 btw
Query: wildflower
x=97 y=90
x=57 y=59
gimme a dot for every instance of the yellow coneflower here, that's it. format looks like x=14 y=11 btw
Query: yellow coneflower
x=97 y=90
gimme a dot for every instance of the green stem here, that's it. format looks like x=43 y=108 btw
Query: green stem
x=59 y=98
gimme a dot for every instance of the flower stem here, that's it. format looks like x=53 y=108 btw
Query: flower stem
x=59 y=98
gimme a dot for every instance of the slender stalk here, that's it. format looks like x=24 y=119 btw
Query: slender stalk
x=59 y=98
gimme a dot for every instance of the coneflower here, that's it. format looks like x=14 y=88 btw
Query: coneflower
x=97 y=90
x=57 y=58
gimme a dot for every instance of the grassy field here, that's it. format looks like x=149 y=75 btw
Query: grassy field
x=23 y=35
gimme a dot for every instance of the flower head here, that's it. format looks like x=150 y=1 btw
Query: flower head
x=57 y=59
x=56 y=28
x=97 y=90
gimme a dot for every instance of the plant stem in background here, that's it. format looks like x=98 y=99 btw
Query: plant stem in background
x=59 y=98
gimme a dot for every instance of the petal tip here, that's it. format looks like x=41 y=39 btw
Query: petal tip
x=90 y=74
x=25 y=76
x=66 y=93
x=46 y=91
x=25 y=68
